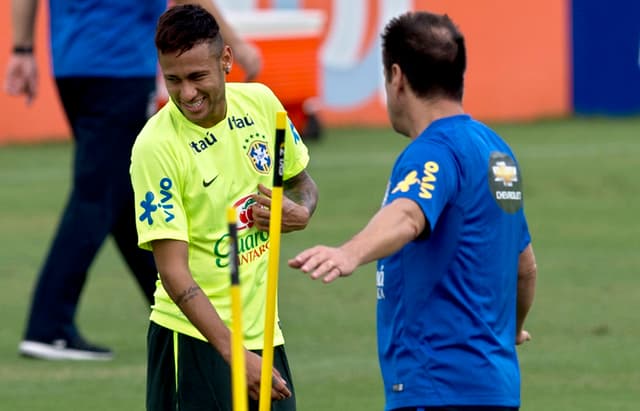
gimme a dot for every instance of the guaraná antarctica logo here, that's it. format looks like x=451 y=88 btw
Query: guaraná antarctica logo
x=505 y=182
x=244 y=212
x=251 y=245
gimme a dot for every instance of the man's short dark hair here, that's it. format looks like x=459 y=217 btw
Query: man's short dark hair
x=180 y=28
x=430 y=50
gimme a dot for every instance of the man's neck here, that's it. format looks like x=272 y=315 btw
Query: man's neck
x=424 y=112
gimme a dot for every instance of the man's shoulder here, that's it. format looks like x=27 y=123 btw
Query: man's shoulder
x=159 y=130
x=162 y=123
x=250 y=91
x=252 y=87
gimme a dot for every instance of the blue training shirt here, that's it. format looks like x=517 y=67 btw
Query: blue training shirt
x=447 y=304
x=104 y=38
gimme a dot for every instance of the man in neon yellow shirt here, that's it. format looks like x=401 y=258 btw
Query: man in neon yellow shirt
x=210 y=148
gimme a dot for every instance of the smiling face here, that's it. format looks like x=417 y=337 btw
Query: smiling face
x=195 y=81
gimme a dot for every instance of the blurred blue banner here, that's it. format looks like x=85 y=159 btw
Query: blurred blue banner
x=606 y=56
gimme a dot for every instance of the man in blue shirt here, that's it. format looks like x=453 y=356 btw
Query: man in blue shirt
x=456 y=270
x=104 y=64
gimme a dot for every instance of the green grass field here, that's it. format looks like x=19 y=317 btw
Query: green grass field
x=581 y=196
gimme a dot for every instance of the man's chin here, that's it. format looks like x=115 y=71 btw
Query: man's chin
x=194 y=117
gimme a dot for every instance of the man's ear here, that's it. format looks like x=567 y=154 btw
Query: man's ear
x=398 y=79
x=226 y=59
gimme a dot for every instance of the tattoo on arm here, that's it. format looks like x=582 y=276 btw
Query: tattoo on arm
x=187 y=294
x=302 y=190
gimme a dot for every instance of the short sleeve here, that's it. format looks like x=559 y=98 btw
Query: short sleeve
x=296 y=154
x=296 y=157
x=157 y=186
x=426 y=174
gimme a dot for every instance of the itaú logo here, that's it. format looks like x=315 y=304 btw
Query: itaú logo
x=244 y=213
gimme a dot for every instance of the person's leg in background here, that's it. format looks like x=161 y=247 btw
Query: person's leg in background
x=140 y=262
x=133 y=114
x=103 y=114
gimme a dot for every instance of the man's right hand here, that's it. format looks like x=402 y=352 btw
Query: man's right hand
x=22 y=76
x=279 y=389
x=522 y=337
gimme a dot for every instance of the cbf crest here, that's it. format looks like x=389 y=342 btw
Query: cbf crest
x=260 y=156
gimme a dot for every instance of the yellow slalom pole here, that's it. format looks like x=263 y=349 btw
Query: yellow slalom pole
x=238 y=371
x=274 y=259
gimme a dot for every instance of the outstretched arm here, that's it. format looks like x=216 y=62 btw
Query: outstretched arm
x=389 y=230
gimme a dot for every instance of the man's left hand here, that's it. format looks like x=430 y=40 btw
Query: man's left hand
x=294 y=216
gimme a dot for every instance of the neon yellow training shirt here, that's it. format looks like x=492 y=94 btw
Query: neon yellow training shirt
x=185 y=177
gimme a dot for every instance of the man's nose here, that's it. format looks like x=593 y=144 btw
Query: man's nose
x=187 y=91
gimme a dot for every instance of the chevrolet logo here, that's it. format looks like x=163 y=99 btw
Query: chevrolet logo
x=505 y=174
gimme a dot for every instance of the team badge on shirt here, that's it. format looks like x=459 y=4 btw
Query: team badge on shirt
x=260 y=156
x=505 y=182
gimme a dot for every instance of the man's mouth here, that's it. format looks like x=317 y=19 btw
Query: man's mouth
x=193 y=106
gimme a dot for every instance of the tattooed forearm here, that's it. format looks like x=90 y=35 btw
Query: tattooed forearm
x=302 y=190
x=187 y=294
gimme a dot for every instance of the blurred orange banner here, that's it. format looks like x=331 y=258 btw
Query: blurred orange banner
x=518 y=63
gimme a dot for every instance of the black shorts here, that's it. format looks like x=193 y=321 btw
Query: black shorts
x=203 y=378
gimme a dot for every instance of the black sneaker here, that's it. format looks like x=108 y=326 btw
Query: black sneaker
x=61 y=349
